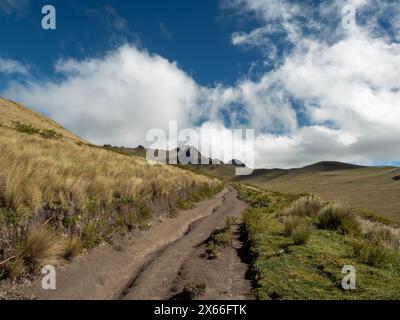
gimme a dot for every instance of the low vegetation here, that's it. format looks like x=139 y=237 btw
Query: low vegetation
x=300 y=243
x=338 y=217
x=59 y=197
x=221 y=237
x=44 y=133
x=193 y=290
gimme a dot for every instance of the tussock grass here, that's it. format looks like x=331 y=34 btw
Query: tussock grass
x=290 y=224
x=301 y=234
x=385 y=235
x=338 y=217
x=42 y=247
x=72 y=247
x=297 y=228
x=308 y=206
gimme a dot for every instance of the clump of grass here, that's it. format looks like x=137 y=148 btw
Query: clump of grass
x=72 y=247
x=335 y=216
x=374 y=254
x=92 y=234
x=193 y=290
x=231 y=221
x=301 y=234
x=221 y=237
x=290 y=224
x=13 y=269
x=42 y=247
x=298 y=229
x=385 y=236
x=308 y=206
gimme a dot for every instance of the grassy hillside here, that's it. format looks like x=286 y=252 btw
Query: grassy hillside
x=372 y=189
x=12 y=114
x=300 y=244
x=59 y=195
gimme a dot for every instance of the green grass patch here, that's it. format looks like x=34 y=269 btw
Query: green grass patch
x=283 y=269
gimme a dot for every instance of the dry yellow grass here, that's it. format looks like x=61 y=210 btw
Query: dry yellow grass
x=37 y=170
x=82 y=193
x=11 y=112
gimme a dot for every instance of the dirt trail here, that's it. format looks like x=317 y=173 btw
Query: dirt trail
x=181 y=263
x=155 y=264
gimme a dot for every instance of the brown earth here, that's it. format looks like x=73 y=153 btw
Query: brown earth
x=156 y=264
x=182 y=263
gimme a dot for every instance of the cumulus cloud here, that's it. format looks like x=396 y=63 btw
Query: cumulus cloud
x=115 y=99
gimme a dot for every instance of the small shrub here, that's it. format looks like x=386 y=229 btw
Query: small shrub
x=301 y=234
x=338 y=217
x=28 y=129
x=42 y=246
x=195 y=196
x=182 y=204
x=306 y=206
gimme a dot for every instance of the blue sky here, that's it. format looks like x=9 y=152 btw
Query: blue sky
x=313 y=83
x=196 y=34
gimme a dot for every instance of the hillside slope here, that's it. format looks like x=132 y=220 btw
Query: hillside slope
x=372 y=189
x=59 y=194
x=12 y=113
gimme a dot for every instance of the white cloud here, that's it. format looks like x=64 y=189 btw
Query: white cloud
x=9 y=66
x=115 y=99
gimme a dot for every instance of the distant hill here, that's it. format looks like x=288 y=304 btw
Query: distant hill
x=331 y=166
x=373 y=189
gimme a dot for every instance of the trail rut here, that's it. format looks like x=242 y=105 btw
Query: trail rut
x=156 y=264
